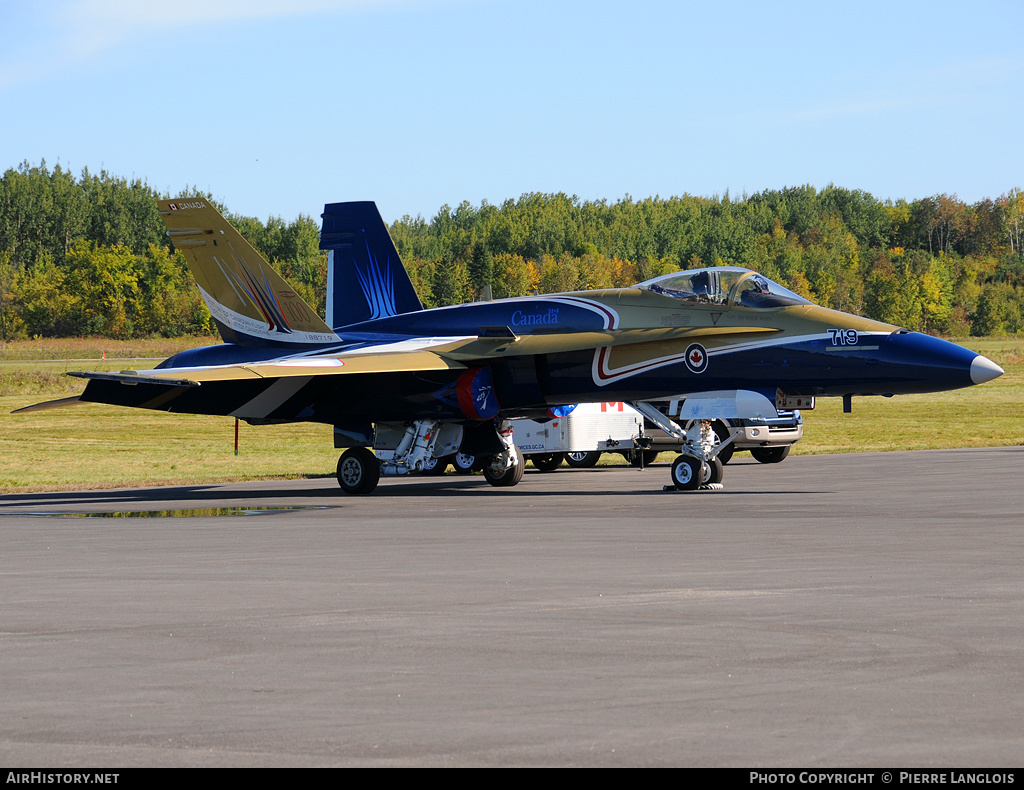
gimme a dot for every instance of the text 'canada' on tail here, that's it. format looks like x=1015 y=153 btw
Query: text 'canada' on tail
x=251 y=303
x=365 y=277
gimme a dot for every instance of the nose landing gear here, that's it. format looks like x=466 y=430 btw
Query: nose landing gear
x=699 y=467
x=690 y=473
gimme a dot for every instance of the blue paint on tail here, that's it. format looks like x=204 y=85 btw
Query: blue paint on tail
x=365 y=277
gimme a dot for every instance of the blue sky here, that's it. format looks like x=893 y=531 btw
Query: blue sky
x=279 y=107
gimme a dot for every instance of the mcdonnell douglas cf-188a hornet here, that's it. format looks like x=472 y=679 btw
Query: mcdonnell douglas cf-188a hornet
x=418 y=384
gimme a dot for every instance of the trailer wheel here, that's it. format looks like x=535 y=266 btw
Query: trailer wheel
x=463 y=463
x=582 y=460
x=547 y=462
x=640 y=458
x=436 y=466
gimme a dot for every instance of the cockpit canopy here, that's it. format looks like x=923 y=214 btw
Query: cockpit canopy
x=727 y=286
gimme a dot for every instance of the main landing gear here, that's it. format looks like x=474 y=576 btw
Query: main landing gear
x=358 y=471
x=505 y=468
x=426 y=447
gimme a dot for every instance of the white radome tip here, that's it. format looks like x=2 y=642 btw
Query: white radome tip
x=984 y=369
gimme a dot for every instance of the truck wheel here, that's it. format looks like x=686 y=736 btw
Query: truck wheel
x=722 y=432
x=770 y=455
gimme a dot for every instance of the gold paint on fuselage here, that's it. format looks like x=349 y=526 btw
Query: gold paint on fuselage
x=714 y=325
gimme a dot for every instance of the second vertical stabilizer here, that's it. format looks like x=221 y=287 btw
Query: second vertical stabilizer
x=250 y=302
x=365 y=277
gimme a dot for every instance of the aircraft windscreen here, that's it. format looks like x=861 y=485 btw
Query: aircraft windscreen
x=725 y=286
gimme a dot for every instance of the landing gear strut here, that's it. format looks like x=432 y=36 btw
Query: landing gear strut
x=505 y=468
x=426 y=447
x=699 y=465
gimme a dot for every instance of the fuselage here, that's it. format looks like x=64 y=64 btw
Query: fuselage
x=654 y=340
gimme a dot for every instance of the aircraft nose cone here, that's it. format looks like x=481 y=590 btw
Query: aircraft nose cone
x=915 y=362
x=984 y=369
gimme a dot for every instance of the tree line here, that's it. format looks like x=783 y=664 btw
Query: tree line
x=89 y=255
x=935 y=264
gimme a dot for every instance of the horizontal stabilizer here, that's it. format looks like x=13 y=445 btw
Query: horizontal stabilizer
x=50 y=404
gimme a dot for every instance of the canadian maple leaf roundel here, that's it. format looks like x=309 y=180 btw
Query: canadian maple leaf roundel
x=696 y=358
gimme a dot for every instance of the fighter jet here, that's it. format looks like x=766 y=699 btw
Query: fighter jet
x=420 y=384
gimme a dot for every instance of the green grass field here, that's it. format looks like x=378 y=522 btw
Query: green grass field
x=95 y=446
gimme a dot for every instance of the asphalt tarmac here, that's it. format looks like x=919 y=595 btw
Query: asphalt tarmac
x=852 y=610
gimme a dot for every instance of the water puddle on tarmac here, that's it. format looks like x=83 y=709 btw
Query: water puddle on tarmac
x=195 y=512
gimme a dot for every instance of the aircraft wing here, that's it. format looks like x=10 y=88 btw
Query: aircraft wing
x=417 y=354
x=396 y=357
x=408 y=355
x=313 y=365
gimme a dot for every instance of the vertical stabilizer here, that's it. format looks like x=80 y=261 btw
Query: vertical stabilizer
x=365 y=277
x=251 y=303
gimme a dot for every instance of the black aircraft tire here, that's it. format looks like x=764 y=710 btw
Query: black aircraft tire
x=770 y=455
x=508 y=477
x=686 y=473
x=463 y=463
x=714 y=472
x=583 y=460
x=547 y=462
x=358 y=471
